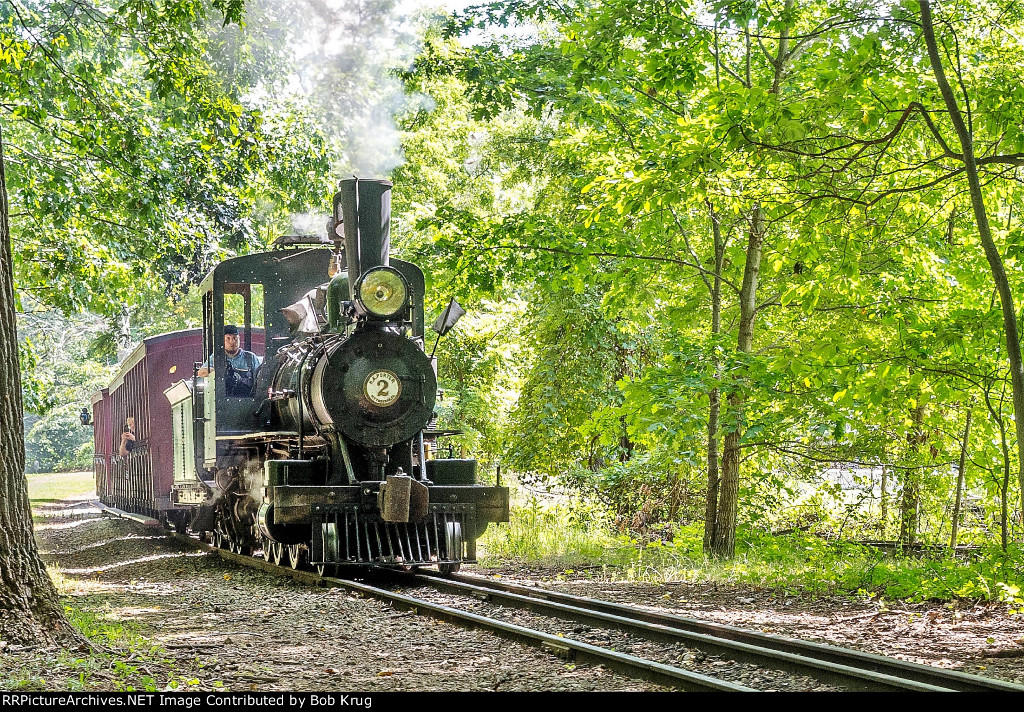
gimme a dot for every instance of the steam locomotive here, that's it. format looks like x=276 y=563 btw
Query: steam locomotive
x=323 y=451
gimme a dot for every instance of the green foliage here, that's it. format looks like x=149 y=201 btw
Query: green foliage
x=579 y=356
x=33 y=389
x=475 y=363
x=138 y=154
x=581 y=160
x=130 y=158
x=573 y=534
x=57 y=384
x=57 y=442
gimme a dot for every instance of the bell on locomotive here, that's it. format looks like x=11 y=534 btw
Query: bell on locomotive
x=327 y=461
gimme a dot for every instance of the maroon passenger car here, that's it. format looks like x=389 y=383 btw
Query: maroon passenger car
x=140 y=481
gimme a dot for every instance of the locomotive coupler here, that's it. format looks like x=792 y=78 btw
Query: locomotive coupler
x=403 y=499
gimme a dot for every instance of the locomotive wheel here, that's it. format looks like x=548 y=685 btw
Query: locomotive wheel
x=453 y=548
x=295 y=556
x=267 y=554
x=276 y=552
x=329 y=534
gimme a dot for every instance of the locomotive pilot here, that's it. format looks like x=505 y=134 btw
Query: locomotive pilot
x=241 y=364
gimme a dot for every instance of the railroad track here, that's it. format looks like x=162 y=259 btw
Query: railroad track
x=841 y=668
x=848 y=668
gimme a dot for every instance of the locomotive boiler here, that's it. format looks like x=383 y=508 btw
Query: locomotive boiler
x=321 y=447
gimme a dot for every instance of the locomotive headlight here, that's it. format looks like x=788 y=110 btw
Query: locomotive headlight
x=383 y=292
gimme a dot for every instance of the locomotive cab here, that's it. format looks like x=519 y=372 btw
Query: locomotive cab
x=316 y=449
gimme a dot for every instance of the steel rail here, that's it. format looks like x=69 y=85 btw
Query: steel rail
x=566 y=648
x=846 y=676
x=562 y=647
x=722 y=634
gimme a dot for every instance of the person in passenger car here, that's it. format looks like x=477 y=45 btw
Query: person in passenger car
x=127 y=437
x=241 y=364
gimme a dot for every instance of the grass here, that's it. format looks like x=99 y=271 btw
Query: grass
x=571 y=536
x=806 y=564
x=559 y=534
x=56 y=486
x=121 y=658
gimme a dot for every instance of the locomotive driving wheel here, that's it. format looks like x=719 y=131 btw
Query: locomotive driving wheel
x=223 y=538
x=295 y=556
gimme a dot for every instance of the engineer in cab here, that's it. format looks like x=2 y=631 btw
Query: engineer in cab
x=241 y=365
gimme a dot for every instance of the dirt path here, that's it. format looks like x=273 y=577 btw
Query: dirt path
x=198 y=622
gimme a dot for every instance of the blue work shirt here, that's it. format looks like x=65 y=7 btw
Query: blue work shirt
x=242 y=361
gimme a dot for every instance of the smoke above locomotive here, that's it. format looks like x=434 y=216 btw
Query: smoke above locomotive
x=307 y=430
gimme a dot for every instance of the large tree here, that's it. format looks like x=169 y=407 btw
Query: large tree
x=29 y=609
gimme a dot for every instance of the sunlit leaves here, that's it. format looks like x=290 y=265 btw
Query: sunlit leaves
x=875 y=298
x=129 y=156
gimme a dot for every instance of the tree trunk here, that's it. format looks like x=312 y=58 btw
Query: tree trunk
x=997 y=415
x=724 y=544
x=783 y=51
x=1004 y=528
x=29 y=609
x=995 y=260
x=884 y=514
x=911 y=500
x=960 y=480
x=714 y=398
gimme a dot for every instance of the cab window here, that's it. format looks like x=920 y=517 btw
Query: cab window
x=243 y=310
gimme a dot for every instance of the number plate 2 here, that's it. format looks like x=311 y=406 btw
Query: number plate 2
x=382 y=388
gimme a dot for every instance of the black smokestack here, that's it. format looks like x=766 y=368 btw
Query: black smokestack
x=365 y=207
